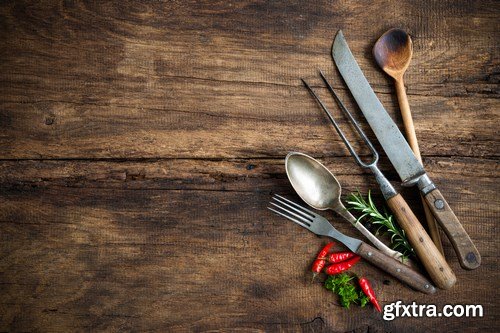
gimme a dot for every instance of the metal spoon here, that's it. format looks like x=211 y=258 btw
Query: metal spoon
x=319 y=188
x=393 y=52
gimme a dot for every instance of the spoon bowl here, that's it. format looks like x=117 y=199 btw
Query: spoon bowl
x=393 y=52
x=312 y=181
x=319 y=188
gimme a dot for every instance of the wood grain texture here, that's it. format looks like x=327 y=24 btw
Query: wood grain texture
x=140 y=142
x=468 y=255
x=401 y=271
x=434 y=262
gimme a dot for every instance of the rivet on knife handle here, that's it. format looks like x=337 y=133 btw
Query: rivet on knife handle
x=426 y=250
x=468 y=254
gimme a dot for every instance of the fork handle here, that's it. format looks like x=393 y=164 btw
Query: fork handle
x=378 y=244
x=342 y=211
x=433 y=261
x=400 y=271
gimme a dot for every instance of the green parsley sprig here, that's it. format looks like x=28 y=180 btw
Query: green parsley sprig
x=341 y=285
x=383 y=220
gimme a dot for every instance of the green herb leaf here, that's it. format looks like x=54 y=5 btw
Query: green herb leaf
x=348 y=292
x=382 y=220
x=363 y=299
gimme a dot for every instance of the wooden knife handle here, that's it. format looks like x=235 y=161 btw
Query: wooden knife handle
x=392 y=266
x=411 y=136
x=426 y=250
x=468 y=255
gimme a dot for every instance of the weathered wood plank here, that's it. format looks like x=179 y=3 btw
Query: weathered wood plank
x=455 y=43
x=462 y=181
x=221 y=120
x=225 y=174
x=141 y=259
x=140 y=143
x=96 y=84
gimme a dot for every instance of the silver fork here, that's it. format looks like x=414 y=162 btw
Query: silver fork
x=320 y=226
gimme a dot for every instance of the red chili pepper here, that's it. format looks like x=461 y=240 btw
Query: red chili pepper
x=324 y=251
x=337 y=257
x=342 y=266
x=367 y=289
x=320 y=261
x=317 y=266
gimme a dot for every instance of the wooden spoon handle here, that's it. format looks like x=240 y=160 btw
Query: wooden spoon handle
x=468 y=254
x=432 y=226
x=400 y=271
x=411 y=136
x=404 y=106
x=429 y=255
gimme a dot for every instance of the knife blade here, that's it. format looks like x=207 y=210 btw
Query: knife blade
x=387 y=133
x=410 y=170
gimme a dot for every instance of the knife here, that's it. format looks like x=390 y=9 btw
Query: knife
x=410 y=170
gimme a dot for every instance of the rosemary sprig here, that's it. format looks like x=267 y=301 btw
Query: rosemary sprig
x=384 y=221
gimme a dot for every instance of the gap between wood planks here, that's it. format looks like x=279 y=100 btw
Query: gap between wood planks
x=216 y=159
x=410 y=92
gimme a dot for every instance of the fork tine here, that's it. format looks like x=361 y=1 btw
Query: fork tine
x=349 y=115
x=288 y=211
x=337 y=128
x=296 y=205
x=289 y=217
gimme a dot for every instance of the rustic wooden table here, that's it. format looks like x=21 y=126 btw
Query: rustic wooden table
x=140 y=142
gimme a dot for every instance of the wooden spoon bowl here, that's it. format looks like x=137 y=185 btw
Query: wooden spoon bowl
x=393 y=52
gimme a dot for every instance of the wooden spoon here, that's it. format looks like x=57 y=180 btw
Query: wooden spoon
x=393 y=52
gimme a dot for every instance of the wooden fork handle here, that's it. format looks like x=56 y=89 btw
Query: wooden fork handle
x=400 y=271
x=467 y=253
x=433 y=261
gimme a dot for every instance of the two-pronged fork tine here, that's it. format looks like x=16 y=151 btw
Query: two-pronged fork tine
x=320 y=226
x=337 y=128
x=387 y=190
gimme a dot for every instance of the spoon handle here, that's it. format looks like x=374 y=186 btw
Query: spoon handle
x=378 y=244
x=411 y=136
x=467 y=252
x=400 y=271
x=404 y=106
x=342 y=211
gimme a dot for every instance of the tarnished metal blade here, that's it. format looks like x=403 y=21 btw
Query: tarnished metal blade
x=388 y=134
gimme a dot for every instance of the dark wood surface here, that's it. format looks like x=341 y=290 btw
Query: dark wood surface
x=140 y=142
